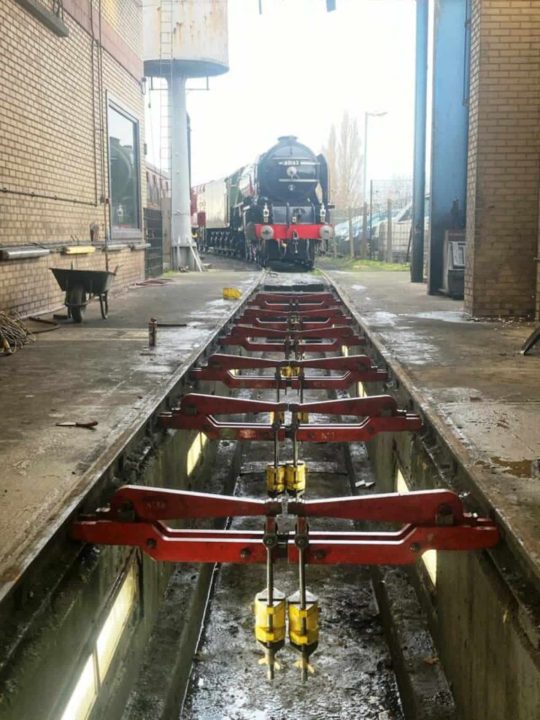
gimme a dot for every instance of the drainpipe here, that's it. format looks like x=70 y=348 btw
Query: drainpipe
x=420 y=111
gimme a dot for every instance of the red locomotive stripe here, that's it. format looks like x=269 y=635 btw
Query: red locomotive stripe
x=285 y=232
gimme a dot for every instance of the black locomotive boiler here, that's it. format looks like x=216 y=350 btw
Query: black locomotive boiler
x=274 y=211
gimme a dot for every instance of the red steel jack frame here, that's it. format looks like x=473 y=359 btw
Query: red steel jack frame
x=358 y=368
x=379 y=413
x=298 y=325
x=250 y=314
x=332 y=333
x=291 y=302
x=288 y=345
x=292 y=299
x=430 y=520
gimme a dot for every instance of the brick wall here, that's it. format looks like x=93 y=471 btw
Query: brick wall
x=503 y=173
x=52 y=145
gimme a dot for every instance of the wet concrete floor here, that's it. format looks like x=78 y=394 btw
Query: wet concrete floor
x=479 y=392
x=101 y=370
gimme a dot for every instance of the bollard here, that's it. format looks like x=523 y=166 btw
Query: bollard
x=152 y=332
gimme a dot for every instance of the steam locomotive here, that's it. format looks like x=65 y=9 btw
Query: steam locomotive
x=273 y=212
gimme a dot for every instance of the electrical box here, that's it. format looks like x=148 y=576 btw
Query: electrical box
x=454 y=264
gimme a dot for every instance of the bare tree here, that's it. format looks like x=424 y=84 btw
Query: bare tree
x=330 y=153
x=345 y=159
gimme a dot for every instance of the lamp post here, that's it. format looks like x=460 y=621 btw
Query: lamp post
x=367 y=115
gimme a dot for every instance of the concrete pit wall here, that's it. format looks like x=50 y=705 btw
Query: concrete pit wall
x=51 y=622
x=482 y=609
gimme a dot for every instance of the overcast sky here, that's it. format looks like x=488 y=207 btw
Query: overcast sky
x=295 y=69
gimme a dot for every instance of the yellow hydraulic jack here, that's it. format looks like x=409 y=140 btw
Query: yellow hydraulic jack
x=303 y=417
x=290 y=371
x=295 y=477
x=292 y=476
x=270 y=612
x=303 y=608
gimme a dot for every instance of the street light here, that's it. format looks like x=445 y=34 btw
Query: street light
x=367 y=115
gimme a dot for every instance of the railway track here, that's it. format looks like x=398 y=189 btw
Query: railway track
x=293 y=368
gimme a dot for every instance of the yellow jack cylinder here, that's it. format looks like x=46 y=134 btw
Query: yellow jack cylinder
x=303 y=417
x=270 y=623
x=277 y=416
x=290 y=371
x=303 y=624
x=275 y=479
x=295 y=478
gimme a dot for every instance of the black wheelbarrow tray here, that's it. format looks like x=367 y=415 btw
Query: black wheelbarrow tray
x=80 y=286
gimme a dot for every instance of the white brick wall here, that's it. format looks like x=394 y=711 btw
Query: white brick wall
x=503 y=179
x=51 y=140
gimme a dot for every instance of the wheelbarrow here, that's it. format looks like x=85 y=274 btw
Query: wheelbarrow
x=81 y=286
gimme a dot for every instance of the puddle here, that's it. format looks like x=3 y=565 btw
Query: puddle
x=358 y=288
x=451 y=316
x=520 y=468
x=412 y=349
x=214 y=309
x=383 y=318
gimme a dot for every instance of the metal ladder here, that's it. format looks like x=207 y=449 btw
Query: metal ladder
x=166 y=71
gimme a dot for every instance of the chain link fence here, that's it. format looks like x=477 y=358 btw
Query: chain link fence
x=381 y=229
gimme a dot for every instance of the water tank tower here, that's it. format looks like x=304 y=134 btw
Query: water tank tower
x=183 y=39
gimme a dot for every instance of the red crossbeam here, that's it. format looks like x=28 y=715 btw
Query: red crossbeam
x=281 y=345
x=359 y=369
x=291 y=306
x=434 y=520
x=292 y=298
x=249 y=331
x=246 y=362
x=423 y=507
x=313 y=382
x=285 y=326
x=379 y=413
x=256 y=313
x=400 y=548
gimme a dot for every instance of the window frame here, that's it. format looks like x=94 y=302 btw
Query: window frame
x=114 y=232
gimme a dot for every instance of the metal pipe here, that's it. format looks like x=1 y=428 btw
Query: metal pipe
x=420 y=110
x=45 y=196
x=180 y=191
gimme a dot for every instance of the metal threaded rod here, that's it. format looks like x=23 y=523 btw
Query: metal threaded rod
x=302 y=587
x=270 y=603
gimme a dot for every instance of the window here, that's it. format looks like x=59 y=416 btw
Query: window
x=94 y=672
x=429 y=557
x=123 y=171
